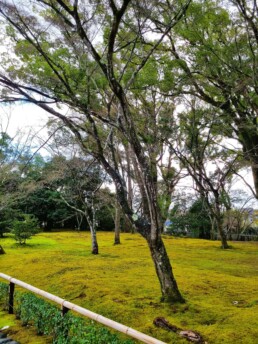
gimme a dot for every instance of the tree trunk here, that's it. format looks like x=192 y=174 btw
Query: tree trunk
x=140 y=181
x=129 y=176
x=221 y=231
x=94 y=243
x=255 y=178
x=213 y=225
x=117 y=224
x=216 y=212
x=169 y=288
x=223 y=235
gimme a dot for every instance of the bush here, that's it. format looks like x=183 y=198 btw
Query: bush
x=24 y=228
x=4 y=295
x=48 y=320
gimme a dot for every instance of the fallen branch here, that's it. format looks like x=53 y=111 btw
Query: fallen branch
x=191 y=336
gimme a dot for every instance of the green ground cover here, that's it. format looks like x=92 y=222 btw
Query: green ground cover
x=220 y=286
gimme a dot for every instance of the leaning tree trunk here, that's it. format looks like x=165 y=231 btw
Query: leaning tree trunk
x=219 y=222
x=222 y=233
x=168 y=284
x=255 y=178
x=249 y=141
x=151 y=231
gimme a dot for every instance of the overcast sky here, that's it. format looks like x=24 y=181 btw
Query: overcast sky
x=25 y=118
x=22 y=117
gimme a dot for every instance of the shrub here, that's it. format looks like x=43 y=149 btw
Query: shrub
x=24 y=228
x=48 y=320
x=4 y=295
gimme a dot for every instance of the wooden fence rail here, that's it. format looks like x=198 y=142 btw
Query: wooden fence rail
x=66 y=306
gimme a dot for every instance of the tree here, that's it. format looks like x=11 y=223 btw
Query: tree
x=24 y=228
x=45 y=203
x=12 y=153
x=80 y=189
x=208 y=161
x=201 y=220
x=63 y=56
x=239 y=219
x=213 y=57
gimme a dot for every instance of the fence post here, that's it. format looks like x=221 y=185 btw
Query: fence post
x=11 y=297
x=64 y=310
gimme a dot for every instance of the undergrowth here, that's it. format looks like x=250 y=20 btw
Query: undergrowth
x=48 y=320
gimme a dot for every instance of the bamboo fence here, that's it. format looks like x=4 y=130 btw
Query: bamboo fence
x=66 y=305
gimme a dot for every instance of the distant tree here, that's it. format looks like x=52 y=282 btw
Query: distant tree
x=11 y=154
x=200 y=218
x=241 y=218
x=45 y=203
x=189 y=217
x=208 y=161
x=78 y=182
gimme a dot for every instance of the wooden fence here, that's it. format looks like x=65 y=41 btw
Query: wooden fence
x=66 y=306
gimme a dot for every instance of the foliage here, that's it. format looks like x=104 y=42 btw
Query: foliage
x=9 y=181
x=189 y=220
x=45 y=203
x=24 y=228
x=200 y=218
x=6 y=220
x=181 y=225
x=105 y=217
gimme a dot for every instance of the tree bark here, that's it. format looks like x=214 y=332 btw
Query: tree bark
x=2 y=251
x=117 y=224
x=222 y=233
x=129 y=175
x=255 y=178
x=168 y=284
x=94 y=243
x=219 y=222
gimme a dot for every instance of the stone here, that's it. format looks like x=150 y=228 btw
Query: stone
x=5 y=340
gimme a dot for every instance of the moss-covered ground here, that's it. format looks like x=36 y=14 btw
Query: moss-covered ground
x=220 y=286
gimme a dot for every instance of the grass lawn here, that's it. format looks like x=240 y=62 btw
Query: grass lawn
x=220 y=286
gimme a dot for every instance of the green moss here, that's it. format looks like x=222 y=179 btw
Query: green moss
x=220 y=286
x=17 y=332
